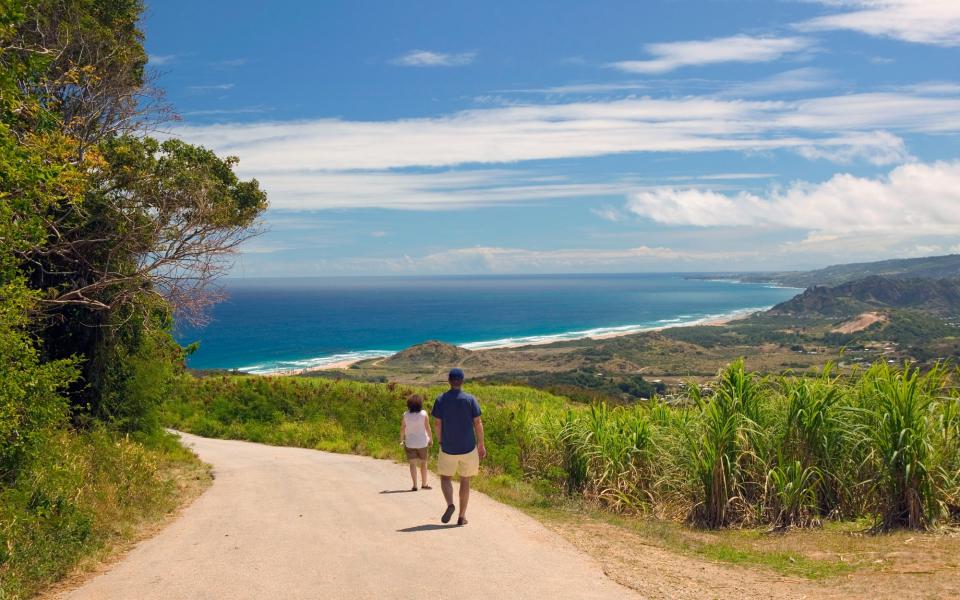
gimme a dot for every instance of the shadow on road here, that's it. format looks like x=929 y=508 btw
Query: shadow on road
x=396 y=491
x=428 y=527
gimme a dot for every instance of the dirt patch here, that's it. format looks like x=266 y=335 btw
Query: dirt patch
x=633 y=561
x=860 y=322
x=900 y=566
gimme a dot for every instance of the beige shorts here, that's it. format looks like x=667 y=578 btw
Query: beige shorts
x=468 y=464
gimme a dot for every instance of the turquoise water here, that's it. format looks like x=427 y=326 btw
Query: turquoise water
x=269 y=325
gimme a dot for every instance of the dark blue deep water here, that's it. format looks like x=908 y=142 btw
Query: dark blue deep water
x=278 y=324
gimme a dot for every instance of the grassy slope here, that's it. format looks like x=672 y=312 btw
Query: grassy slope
x=86 y=495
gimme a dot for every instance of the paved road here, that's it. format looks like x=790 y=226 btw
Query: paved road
x=294 y=523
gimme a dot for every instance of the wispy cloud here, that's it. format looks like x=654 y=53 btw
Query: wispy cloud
x=244 y=110
x=607 y=213
x=585 y=88
x=452 y=190
x=158 y=60
x=670 y=56
x=920 y=199
x=787 y=82
x=496 y=259
x=427 y=58
x=864 y=125
x=935 y=22
x=229 y=63
x=216 y=87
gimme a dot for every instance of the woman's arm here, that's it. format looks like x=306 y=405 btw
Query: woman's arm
x=403 y=429
x=426 y=426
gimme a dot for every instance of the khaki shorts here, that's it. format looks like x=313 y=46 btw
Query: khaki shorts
x=416 y=453
x=468 y=464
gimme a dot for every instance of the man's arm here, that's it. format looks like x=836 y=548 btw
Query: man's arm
x=478 y=429
x=437 y=428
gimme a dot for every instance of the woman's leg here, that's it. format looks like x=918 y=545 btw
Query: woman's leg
x=413 y=472
x=423 y=473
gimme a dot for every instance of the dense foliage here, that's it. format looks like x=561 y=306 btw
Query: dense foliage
x=748 y=450
x=104 y=232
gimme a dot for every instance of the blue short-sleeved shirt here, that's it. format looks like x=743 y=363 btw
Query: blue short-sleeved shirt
x=456 y=410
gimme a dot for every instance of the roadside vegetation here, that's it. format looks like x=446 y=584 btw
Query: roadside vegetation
x=881 y=448
x=104 y=233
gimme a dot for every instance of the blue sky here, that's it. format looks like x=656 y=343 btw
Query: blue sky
x=552 y=136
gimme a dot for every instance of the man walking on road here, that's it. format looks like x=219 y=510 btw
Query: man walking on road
x=460 y=431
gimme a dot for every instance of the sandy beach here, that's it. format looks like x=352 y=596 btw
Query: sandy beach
x=711 y=321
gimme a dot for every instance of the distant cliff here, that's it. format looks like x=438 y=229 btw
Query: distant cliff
x=937 y=296
x=934 y=267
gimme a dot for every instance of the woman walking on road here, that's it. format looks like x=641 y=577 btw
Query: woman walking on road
x=415 y=436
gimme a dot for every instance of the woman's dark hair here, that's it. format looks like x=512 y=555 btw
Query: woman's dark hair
x=415 y=403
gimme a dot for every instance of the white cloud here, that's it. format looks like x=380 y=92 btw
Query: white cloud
x=877 y=148
x=158 y=60
x=670 y=56
x=947 y=88
x=888 y=111
x=426 y=58
x=585 y=88
x=732 y=176
x=796 y=80
x=607 y=213
x=320 y=190
x=226 y=111
x=217 y=87
x=582 y=129
x=913 y=200
x=513 y=260
x=934 y=22
x=494 y=259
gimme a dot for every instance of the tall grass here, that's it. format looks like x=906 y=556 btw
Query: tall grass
x=900 y=432
x=792 y=451
x=81 y=493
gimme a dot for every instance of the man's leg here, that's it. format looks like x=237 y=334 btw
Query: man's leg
x=446 y=484
x=464 y=495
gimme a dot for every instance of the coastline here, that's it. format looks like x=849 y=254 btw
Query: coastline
x=602 y=333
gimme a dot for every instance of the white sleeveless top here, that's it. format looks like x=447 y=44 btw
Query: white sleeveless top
x=416 y=429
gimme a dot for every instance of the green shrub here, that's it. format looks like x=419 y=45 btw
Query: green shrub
x=78 y=493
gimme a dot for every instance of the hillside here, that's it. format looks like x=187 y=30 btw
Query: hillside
x=431 y=352
x=934 y=267
x=937 y=296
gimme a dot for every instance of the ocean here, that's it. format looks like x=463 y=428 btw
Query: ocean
x=272 y=325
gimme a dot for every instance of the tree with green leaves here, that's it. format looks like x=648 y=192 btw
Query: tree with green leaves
x=107 y=231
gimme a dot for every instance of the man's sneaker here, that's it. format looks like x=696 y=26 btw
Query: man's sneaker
x=447 y=514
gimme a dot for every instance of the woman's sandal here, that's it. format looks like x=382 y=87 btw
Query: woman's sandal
x=425 y=487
